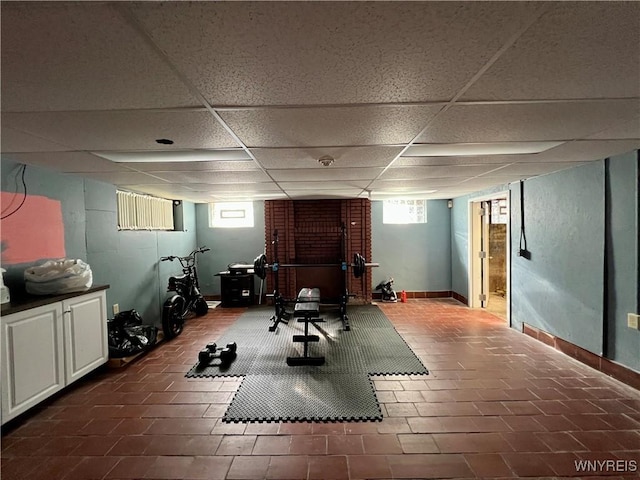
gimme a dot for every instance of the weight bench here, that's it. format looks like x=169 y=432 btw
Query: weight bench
x=307 y=310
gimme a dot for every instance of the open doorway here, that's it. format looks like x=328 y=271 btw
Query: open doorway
x=489 y=254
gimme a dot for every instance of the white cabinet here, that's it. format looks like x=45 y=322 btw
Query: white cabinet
x=32 y=358
x=45 y=348
x=85 y=334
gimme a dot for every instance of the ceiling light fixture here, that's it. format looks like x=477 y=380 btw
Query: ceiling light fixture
x=326 y=160
x=475 y=149
x=164 y=156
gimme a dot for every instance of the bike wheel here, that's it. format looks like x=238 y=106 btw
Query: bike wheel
x=172 y=319
x=200 y=307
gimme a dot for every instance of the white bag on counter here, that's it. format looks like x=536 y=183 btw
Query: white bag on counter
x=58 y=276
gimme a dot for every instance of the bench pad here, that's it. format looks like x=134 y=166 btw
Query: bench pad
x=308 y=303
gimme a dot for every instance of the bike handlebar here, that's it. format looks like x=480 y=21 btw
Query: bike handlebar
x=190 y=257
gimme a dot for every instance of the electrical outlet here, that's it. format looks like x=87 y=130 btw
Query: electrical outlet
x=632 y=320
x=116 y=309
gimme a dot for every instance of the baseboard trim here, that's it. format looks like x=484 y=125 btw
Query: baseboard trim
x=419 y=294
x=460 y=298
x=597 y=362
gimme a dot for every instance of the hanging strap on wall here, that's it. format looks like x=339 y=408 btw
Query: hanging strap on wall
x=523 y=251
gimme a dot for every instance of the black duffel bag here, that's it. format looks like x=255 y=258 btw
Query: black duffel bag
x=128 y=335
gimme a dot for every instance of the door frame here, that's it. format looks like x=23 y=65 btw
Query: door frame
x=474 y=276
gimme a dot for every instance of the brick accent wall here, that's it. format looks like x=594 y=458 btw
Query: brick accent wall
x=309 y=232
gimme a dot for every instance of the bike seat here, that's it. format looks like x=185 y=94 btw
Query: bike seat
x=177 y=278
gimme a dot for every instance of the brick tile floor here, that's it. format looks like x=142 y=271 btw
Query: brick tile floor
x=497 y=404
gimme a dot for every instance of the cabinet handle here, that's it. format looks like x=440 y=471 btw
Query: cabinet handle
x=66 y=311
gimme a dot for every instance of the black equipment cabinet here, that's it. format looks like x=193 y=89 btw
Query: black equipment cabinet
x=236 y=289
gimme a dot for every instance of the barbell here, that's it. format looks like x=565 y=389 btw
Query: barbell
x=359 y=265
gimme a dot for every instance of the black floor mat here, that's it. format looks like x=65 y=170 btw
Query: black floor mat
x=339 y=390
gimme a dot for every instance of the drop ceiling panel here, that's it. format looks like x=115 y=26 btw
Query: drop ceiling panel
x=235 y=187
x=408 y=185
x=575 y=50
x=451 y=161
x=218 y=165
x=626 y=130
x=338 y=126
x=124 y=130
x=584 y=151
x=328 y=174
x=346 y=185
x=250 y=176
x=124 y=178
x=69 y=162
x=452 y=171
x=284 y=53
x=379 y=156
x=166 y=190
x=324 y=194
x=80 y=56
x=528 y=122
x=532 y=169
x=16 y=141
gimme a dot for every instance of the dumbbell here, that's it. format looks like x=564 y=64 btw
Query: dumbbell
x=211 y=352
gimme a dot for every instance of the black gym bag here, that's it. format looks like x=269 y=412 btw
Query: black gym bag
x=128 y=335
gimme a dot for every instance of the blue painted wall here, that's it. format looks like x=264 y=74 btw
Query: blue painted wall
x=127 y=261
x=228 y=245
x=69 y=191
x=623 y=267
x=560 y=289
x=417 y=256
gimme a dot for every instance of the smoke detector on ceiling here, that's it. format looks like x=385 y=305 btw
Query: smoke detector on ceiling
x=326 y=160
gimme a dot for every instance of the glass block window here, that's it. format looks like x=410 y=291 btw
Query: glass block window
x=400 y=211
x=231 y=215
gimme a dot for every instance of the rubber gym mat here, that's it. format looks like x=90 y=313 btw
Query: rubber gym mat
x=338 y=390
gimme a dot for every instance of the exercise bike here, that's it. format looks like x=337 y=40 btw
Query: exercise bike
x=187 y=299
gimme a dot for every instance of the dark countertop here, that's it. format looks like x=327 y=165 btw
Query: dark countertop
x=32 y=301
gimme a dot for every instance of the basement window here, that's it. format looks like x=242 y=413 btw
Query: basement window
x=231 y=215
x=143 y=212
x=399 y=211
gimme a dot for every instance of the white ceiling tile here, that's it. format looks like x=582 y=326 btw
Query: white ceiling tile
x=451 y=161
x=327 y=126
x=249 y=176
x=323 y=194
x=330 y=52
x=80 y=56
x=235 y=187
x=527 y=122
x=123 y=178
x=324 y=185
x=408 y=185
x=133 y=130
x=452 y=171
x=532 y=169
x=575 y=50
x=379 y=156
x=584 y=151
x=166 y=190
x=69 y=162
x=328 y=174
x=218 y=165
x=16 y=141
x=625 y=130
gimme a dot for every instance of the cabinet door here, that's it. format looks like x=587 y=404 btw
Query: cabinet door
x=85 y=334
x=32 y=358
